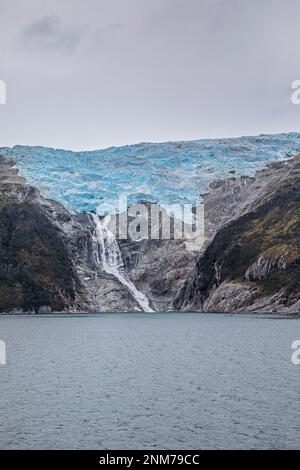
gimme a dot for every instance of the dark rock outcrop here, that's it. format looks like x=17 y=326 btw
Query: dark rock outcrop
x=37 y=272
x=253 y=261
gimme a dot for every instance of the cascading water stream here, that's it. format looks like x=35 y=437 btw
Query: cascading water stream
x=111 y=260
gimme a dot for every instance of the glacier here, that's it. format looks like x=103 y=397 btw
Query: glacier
x=164 y=173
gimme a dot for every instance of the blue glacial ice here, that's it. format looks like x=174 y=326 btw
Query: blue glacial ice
x=167 y=173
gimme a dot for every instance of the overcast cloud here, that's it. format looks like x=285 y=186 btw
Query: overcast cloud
x=91 y=74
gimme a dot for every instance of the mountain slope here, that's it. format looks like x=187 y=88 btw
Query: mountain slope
x=50 y=261
x=36 y=270
x=253 y=262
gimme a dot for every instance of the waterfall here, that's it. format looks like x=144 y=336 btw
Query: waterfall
x=111 y=260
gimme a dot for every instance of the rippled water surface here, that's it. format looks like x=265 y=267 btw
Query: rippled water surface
x=149 y=381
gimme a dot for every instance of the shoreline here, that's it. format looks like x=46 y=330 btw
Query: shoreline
x=99 y=314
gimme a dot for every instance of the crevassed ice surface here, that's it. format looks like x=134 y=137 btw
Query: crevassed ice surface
x=168 y=173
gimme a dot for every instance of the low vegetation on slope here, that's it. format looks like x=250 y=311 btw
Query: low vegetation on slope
x=35 y=269
x=259 y=252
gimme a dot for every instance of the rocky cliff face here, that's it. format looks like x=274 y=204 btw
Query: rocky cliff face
x=252 y=258
x=49 y=260
x=158 y=267
x=37 y=272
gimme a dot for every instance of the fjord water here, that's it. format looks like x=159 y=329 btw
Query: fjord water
x=126 y=381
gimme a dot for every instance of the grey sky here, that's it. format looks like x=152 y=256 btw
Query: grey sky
x=91 y=74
